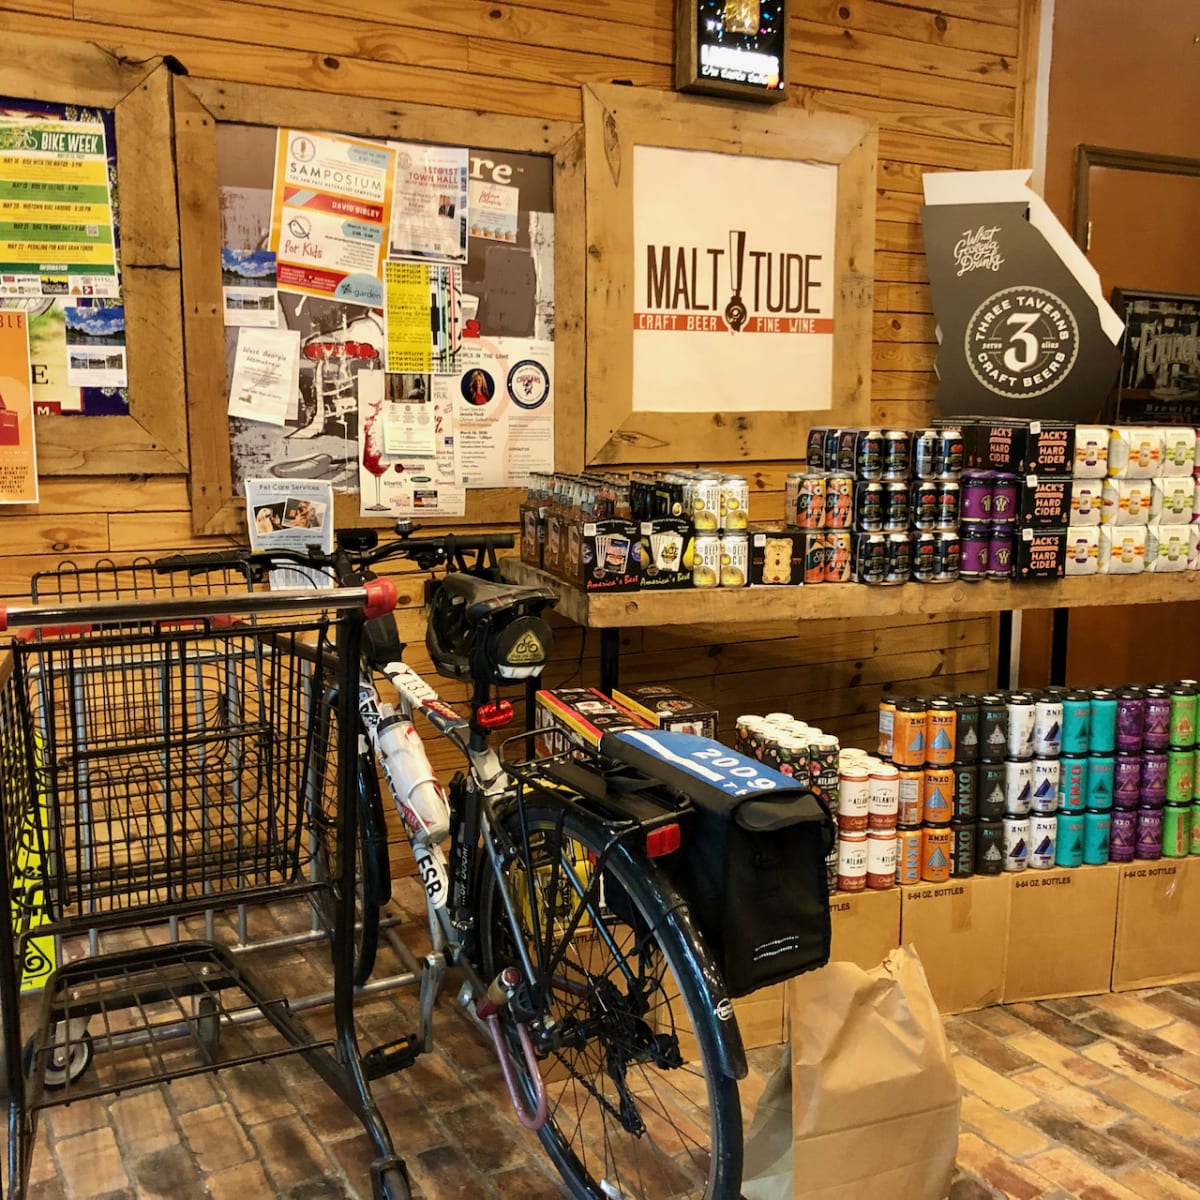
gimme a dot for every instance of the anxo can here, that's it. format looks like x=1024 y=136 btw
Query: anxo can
x=852 y=863
x=1097 y=827
x=1042 y=830
x=993 y=728
x=1047 y=728
x=908 y=740
x=1103 y=735
x=966 y=784
x=1101 y=768
x=1072 y=783
x=1156 y=731
x=939 y=795
x=887 y=725
x=1018 y=787
x=1183 y=717
x=1076 y=721
x=991 y=791
x=838 y=566
x=962 y=856
x=1122 y=840
x=1154 y=775
x=937 y=847
x=1149 y=834
x=814 y=558
x=1021 y=714
x=1176 y=830
x=941 y=728
x=966 y=733
x=1068 y=839
x=881 y=861
x=1180 y=776
x=1016 y=843
x=989 y=847
x=911 y=806
x=1131 y=721
x=908 y=856
x=1046 y=775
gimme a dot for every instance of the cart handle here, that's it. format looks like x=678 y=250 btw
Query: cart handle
x=376 y=598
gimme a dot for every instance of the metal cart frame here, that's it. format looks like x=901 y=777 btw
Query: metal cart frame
x=154 y=762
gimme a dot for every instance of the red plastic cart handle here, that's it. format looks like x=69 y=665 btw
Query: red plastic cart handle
x=381 y=597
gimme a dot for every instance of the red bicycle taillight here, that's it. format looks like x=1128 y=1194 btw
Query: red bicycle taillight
x=663 y=840
x=495 y=715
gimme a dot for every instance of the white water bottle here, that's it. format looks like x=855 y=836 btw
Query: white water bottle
x=415 y=788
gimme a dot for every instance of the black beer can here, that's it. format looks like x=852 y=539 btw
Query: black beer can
x=989 y=847
x=870 y=558
x=897 y=455
x=899 y=558
x=897 y=506
x=962 y=855
x=923 y=557
x=948 y=505
x=926 y=444
x=815 y=453
x=868 y=507
x=948 y=456
x=868 y=454
x=947 y=557
x=926 y=503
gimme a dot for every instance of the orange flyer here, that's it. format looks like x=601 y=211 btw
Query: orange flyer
x=18 y=454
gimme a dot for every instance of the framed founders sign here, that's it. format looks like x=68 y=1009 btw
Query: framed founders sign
x=732 y=48
x=729 y=276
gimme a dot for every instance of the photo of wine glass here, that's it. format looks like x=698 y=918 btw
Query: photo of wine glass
x=372 y=455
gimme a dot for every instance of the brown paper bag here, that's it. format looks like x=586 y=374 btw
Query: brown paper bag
x=873 y=1104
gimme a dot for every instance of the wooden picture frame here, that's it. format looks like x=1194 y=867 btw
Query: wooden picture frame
x=199 y=105
x=616 y=121
x=152 y=438
x=689 y=74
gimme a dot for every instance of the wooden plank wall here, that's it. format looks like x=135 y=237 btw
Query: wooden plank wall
x=950 y=84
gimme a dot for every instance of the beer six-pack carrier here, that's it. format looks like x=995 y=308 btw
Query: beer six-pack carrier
x=159 y=768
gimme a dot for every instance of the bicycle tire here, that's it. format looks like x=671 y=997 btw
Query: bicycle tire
x=372 y=869
x=618 y=1162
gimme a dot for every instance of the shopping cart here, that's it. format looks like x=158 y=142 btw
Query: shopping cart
x=156 y=759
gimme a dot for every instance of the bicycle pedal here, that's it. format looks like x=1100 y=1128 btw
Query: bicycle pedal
x=391 y=1057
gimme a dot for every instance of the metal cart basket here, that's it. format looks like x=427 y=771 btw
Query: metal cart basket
x=156 y=761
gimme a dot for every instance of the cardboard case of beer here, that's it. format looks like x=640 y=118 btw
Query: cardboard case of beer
x=585 y=711
x=668 y=709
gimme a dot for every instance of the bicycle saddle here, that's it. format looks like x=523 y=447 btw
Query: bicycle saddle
x=488 y=631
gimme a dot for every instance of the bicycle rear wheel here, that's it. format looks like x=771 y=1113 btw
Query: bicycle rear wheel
x=639 y=1108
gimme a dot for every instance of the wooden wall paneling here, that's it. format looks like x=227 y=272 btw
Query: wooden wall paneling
x=617 y=120
x=216 y=509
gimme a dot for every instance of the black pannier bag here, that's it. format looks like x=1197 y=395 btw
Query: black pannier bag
x=752 y=865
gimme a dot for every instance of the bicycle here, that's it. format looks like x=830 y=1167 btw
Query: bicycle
x=580 y=962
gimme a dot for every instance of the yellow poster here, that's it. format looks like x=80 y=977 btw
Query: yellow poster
x=406 y=310
x=18 y=455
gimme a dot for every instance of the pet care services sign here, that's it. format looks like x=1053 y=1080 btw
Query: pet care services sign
x=734 y=282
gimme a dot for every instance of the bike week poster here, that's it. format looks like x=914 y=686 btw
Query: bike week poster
x=437 y=333
x=18 y=454
x=724 y=291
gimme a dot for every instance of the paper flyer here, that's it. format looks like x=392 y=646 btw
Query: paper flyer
x=56 y=217
x=248 y=287
x=494 y=211
x=407 y=485
x=291 y=514
x=265 y=375
x=96 y=346
x=406 y=309
x=330 y=213
x=429 y=216
x=18 y=451
x=503 y=400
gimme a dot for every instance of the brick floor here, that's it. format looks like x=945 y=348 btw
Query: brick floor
x=1091 y=1098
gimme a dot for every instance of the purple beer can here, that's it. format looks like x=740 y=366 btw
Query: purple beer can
x=1004 y=499
x=1131 y=721
x=977 y=497
x=1156 y=734
x=1154 y=774
x=973 y=547
x=1127 y=780
x=1001 y=544
x=1122 y=840
x=1149 y=833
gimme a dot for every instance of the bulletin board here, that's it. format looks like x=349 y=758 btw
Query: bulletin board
x=225 y=140
x=140 y=428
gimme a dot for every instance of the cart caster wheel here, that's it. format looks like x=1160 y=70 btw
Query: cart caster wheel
x=394 y=1183
x=61 y=1074
x=208 y=1029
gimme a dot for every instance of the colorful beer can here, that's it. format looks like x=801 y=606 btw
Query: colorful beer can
x=868 y=507
x=911 y=807
x=973 y=551
x=1122 y=838
x=897 y=454
x=1180 y=776
x=966 y=788
x=948 y=505
x=1072 y=787
x=991 y=790
x=868 y=454
x=941 y=728
x=937 y=848
x=939 y=795
x=977 y=497
x=881 y=861
x=925 y=495
x=897 y=507
x=1154 y=774
x=1127 y=780
x=947 y=556
x=966 y=729
x=1149 y=842
x=993 y=728
x=1018 y=787
x=839 y=500
x=1183 y=716
x=887 y=725
x=949 y=454
x=1097 y=827
x=1016 y=843
x=1047 y=727
x=870 y=559
x=1102 y=738
x=1068 y=839
x=1046 y=777
x=1194 y=834
x=1021 y=714
x=852 y=862
x=962 y=856
x=925 y=453
x=883 y=805
x=810 y=503
x=1077 y=711
x=1176 y=830
x=898 y=561
x=908 y=739
x=1131 y=721
x=1101 y=768
x=908 y=856
x=1001 y=547
x=824 y=756
x=1004 y=499
x=924 y=551
x=1156 y=733
x=854 y=797
x=989 y=847
x=839 y=566
x=1043 y=828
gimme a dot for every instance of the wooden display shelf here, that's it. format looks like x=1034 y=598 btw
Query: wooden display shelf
x=822 y=602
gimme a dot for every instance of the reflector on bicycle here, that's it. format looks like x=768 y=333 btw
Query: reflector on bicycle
x=495 y=715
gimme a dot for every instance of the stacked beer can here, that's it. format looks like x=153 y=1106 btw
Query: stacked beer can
x=899 y=494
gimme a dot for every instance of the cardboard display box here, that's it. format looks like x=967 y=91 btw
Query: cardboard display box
x=665 y=708
x=1158 y=911
x=960 y=930
x=866 y=926
x=1061 y=931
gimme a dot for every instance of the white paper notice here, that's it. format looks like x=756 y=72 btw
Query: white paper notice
x=409 y=429
x=291 y=514
x=429 y=213
x=503 y=399
x=494 y=211
x=96 y=346
x=405 y=485
x=255 y=308
x=266 y=375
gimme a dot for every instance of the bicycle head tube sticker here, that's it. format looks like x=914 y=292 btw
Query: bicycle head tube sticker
x=1022 y=341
